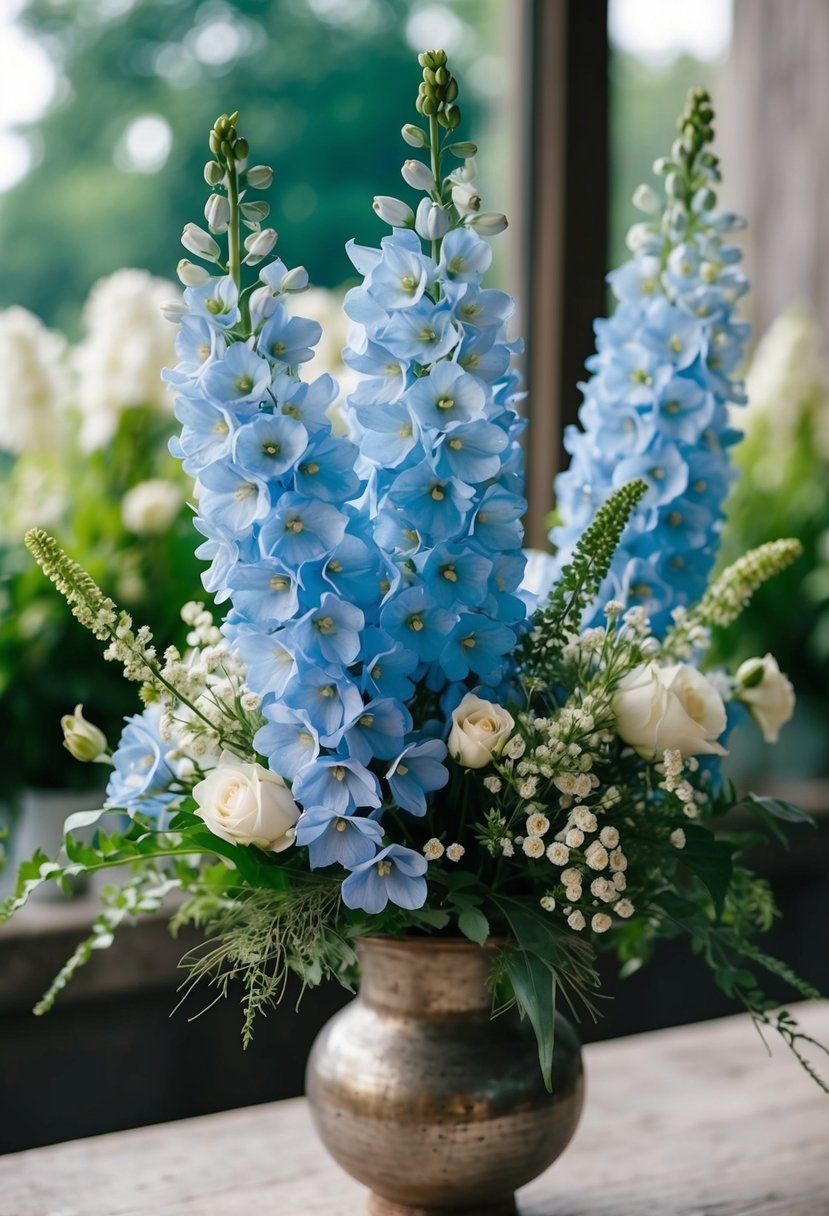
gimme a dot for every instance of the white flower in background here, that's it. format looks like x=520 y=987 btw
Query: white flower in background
x=761 y=685
x=480 y=730
x=247 y=804
x=455 y=852
x=326 y=307
x=32 y=384
x=786 y=369
x=151 y=506
x=128 y=342
x=658 y=708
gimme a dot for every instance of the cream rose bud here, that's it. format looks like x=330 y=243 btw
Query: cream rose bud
x=247 y=804
x=768 y=694
x=480 y=731
x=676 y=707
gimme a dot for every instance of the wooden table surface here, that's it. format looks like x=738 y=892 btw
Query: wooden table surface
x=695 y=1121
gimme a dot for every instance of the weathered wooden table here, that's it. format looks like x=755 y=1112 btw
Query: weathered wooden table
x=695 y=1121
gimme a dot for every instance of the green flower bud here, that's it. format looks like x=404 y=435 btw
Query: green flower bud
x=428 y=106
x=463 y=150
x=83 y=740
x=215 y=142
x=441 y=76
x=241 y=149
x=213 y=173
x=451 y=90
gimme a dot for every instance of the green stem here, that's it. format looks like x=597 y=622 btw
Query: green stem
x=434 y=148
x=234 y=266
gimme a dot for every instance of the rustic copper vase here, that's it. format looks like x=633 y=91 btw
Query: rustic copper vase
x=422 y=1096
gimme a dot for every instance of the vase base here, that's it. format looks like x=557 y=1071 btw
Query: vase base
x=377 y=1206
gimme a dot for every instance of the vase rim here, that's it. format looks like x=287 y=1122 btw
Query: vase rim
x=422 y=943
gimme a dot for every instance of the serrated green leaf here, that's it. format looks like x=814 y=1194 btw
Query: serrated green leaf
x=474 y=925
x=534 y=986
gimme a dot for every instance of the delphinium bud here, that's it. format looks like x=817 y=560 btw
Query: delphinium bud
x=192 y=275
x=217 y=213
x=259 y=177
x=414 y=136
x=195 y=240
x=418 y=176
x=393 y=211
x=259 y=244
x=438 y=90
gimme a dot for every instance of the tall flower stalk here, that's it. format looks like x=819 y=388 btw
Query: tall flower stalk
x=657 y=403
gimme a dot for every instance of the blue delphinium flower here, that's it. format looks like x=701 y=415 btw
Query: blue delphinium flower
x=656 y=404
x=362 y=573
x=395 y=873
x=141 y=778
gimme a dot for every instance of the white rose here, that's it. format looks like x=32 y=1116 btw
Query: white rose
x=659 y=708
x=150 y=507
x=247 y=804
x=480 y=730
x=768 y=694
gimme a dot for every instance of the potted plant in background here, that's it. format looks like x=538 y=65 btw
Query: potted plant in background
x=392 y=760
x=84 y=433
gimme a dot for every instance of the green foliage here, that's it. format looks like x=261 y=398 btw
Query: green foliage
x=257 y=937
x=151 y=575
x=592 y=557
x=711 y=860
x=783 y=490
x=534 y=984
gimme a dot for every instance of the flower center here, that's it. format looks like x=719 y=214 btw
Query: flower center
x=415 y=622
x=243 y=384
x=294 y=524
x=280 y=582
x=325 y=624
x=384 y=868
x=445 y=403
x=245 y=490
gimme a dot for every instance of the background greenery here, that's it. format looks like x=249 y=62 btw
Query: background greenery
x=323 y=87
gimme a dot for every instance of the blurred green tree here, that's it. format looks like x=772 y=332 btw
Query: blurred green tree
x=323 y=87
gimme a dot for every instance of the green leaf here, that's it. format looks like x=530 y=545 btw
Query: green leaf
x=534 y=985
x=474 y=925
x=711 y=860
x=778 y=809
x=687 y=915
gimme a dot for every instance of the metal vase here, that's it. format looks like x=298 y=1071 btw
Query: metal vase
x=417 y=1092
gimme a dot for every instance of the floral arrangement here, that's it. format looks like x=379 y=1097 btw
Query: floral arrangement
x=385 y=735
x=84 y=433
